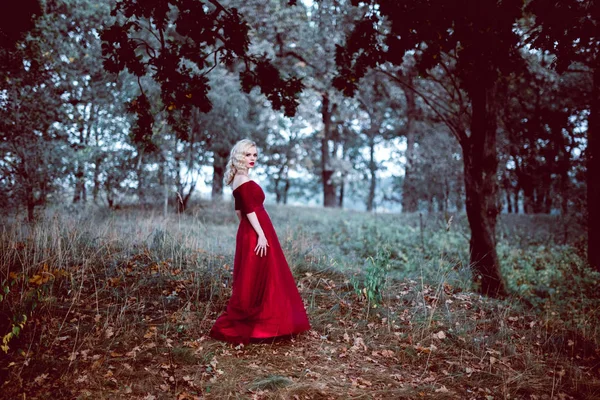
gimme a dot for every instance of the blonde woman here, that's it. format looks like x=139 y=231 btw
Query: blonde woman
x=265 y=302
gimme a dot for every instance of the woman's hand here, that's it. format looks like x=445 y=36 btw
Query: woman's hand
x=261 y=247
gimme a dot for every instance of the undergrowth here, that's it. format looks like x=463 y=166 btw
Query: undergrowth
x=118 y=305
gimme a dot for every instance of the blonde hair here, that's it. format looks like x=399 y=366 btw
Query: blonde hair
x=236 y=159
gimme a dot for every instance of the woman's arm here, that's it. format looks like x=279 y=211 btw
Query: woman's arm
x=261 y=247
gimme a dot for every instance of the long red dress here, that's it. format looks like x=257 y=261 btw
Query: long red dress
x=265 y=302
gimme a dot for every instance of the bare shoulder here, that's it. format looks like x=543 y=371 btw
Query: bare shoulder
x=239 y=180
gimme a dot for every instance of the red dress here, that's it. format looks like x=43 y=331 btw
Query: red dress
x=265 y=302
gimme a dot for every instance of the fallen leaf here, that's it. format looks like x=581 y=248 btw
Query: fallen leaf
x=109 y=332
x=387 y=353
x=443 y=389
x=40 y=379
x=440 y=335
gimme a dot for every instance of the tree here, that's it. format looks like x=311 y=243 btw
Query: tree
x=177 y=43
x=570 y=30
x=92 y=98
x=541 y=116
x=478 y=36
x=33 y=152
x=15 y=21
x=381 y=122
x=303 y=39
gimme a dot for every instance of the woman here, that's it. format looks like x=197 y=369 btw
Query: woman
x=265 y=302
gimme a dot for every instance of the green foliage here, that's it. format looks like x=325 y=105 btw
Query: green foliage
x=20 y=297
x=372 y=285
x=177 y=43
x=552 y=278
x=479 y=34
x=17 y=326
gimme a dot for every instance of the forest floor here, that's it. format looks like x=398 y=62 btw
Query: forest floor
x=120 y=307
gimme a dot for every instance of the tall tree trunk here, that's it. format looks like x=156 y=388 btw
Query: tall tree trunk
x=79 y=172
x=342 y=193
x=140 y=177
x=30 y=206
x=286 y=189
x=564 y=166
x=508 y=200
x=528 y=197
x=409 y=197
x=593 y=171
x=219 y=165
x=372 y=171
x=329 y=197
x=178 y=183
x=162 y=181
x=279 y=177
x=109 y=194
x=481 y=163
x=278 y=194
x=96 y=187
x=516 y=199
x=78 y=194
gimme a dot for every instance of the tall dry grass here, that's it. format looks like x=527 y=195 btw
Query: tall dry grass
x=102 y=303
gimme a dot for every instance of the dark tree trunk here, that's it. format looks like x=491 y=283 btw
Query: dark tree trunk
x=516 y=199
x=140 y=178
x=342 y=192
x=564 y=166
x=286 y=189
x=547 y=207
x=178 y=183
x=79 y=170
x=373 y=173
x=30 y=208
x=184 y=199
x=280 y=178
x=481 y=163
x=79 y=193
x=108 y=191
x=278 y=194
x=593 y=172
x=329 y=196
x=528 y=198
x=409 y=198
x=219 y=165
x=96 y=187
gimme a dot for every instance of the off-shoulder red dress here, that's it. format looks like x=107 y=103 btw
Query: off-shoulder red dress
x=265 y=302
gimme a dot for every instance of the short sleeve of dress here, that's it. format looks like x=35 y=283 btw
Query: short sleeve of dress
x=248 y=198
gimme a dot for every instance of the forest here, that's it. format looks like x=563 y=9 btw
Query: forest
x=431 y=168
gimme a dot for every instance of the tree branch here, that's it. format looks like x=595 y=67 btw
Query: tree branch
x=460 y=134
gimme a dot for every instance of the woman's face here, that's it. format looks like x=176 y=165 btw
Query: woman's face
x=250 y=157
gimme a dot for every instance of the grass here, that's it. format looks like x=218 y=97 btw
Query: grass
x=101 y=305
